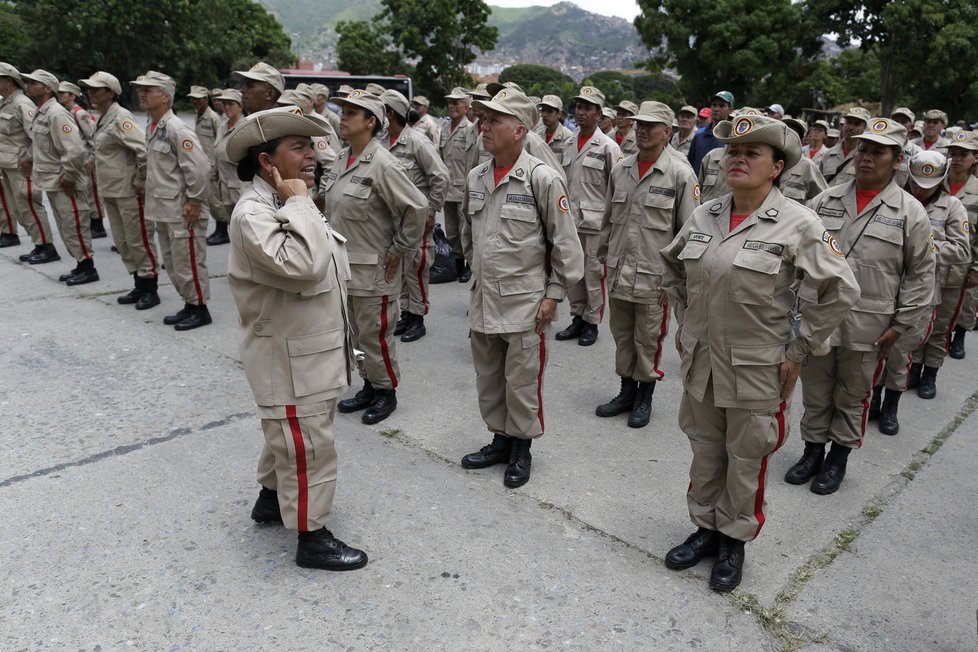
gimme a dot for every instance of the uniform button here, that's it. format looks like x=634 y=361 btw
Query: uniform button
x=257 y=328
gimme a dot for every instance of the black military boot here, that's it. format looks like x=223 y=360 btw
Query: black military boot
x=573 y=331
x=833 y=471
x=402 y=323
x=9 y=240
x=624 y=402
x=495 y=453
x=465 y=273
x=33 y=252
x=182 y=314
x=913 y=377
x=86 y=273
x=808 y=466
x=729 y=566
x=589 y=334
x=928 y=383
x=98 y=228
x=956 y=350
x=360 y=401
x=199 y=316
x=64 y=277
x=888 y=424
x=266 y=508
x=642 y=409
x=385 y=402
x=150 y=296
x=320 y=549
x=47 y=254
x=220 y=235
x=134 y=294
x=874 y=403
x=700 y=544
x=518 y=471
x=415 y=330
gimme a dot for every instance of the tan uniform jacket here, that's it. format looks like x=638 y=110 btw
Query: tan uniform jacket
x=940 y=145
x=627 y=145
x=535 y=146
x=733 y=297
x=460 y=153
x=524 y=244
x=177 y=170
x=86 y=125
x=802 y=182
x=229 y=185
x=334 y=121
x=837 y=168
x=588 y=175
x=287 y=271
x=903 y=174
x=950 y=228
x=642 y=217
x=206 y=128
x=806 y=152
x=889 y=248
x=712 y=177
x=58 y=147
x=558 y=142
x=969 y=199
x=120 y=153
x=376 y=207
x=326 y=151
x=16 y=116
x=424 y=168
x=682 y=145
x=430 y=128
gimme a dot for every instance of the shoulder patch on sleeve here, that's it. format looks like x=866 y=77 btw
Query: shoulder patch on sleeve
x=966 y=225
x=186 y=145
x=697 y=192
x=66 y=128
x=127 y=125
x=31 y=113
x=833 y=244
x=562 y=204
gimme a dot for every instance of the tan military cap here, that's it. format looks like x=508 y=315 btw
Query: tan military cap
x=799 y=125
x=748 y=110
x=494 y=87
x=396 y=102
x=689 y=109
x=364 y=100
x=627 y=107
x=263 y=72
x=270 y=124
x=762 y=129
x=833 y=133
x=936 y=114
x=902 y=110
x=230 y=95
x=859 y=113
x=198 y=92
x=965 y=140
x=321 y=120
x=885 y=132
x=652 y=112
x=512 y=102
x=553 y=101
x=42 y=77
x=102 y=80
x=216 y=91
x=608 y=112
x=68 y=87
x=928 y=168
x=590 y=94
x=6 y=70
x=420 y=99
x=292 y=97
x=458 y=93
x=374 y=89
x=158 y=79
x=306 y=91
x=320 y=89
x=823 y=124
x=480 y=92
x=344 y=90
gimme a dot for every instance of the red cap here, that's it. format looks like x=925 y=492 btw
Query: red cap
x=706 y=112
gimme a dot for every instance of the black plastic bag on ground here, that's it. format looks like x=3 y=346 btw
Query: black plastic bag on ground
x=443 y=269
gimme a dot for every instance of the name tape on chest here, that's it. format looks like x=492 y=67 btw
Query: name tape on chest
x=477 y=195
x=700 y=237
x=595 y=155
x=938 y=223
x=795 y=184
x=361 y=181
x=831 y=212
x=659 y=190
x=760 y=245
x=889 y=221
x=519 y=199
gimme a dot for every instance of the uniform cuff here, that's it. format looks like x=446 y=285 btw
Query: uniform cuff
x=555 y=291
x=795 y=351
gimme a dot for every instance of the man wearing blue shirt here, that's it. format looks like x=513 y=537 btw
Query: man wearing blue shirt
x=704 y=141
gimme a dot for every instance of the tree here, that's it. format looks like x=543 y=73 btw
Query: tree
x=365 y=49
x=441 y=35
x=15 y=37
x=526 y=74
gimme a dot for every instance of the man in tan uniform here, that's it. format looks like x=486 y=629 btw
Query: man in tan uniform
x=460 y=153
x=816 y=147
x=963 y=184
x=652 y=194
x=885 y=236
x=555 y=134
x=837 y=166
x=935 y=121
x=287 y=272
x=426 y=124
x=905 y=117
x=424 y=168
x=20 y=202
x=588 y=160
x=177 y=174
x=68 y=95
x=525 y=257
x=624 y=135
x=683 y=138
x=59 y=169
x=206 y=124
x=263 y=84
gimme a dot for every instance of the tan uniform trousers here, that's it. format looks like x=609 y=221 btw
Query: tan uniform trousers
x=95 y=209
x=416 y=270
x=728 y=474
x=453 y=226
x=133 y=235
x=896 y=372
x=218 y=208
x=836 y=391
x=299 y=462
x=587 y=295
x=373 y=320
x=639 y=330
x=967 y=319
x=22 y=204
x=509 y=380
x=70 y=214
x=934 y=348
x=185 y=256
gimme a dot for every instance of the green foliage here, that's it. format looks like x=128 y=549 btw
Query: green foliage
x=15 y=38
x=526 y=74
x=365 y=49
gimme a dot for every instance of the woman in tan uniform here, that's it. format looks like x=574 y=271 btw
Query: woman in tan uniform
x=962 y=155
x=229 y=186
x=729 y=273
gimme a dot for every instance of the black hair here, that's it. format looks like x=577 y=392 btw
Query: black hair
x=249 y=166
x=398 y=118
x=780 y=156
x=413 y=116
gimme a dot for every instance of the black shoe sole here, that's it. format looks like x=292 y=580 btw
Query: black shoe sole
x=956 y=356
x=513 y=484
x=827 y=491
x=685 y=565
x=350 y=409
x=723 y=588
x=304 y=564
x=372 y=419
x=473 y=467
x=604 y=414
x=583 y=342
x=263 y=520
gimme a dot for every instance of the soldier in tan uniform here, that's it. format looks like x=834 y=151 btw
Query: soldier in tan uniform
x=837 y=166
x=935 y=122
x=177 y=174
x=963 y=184
x=683 y=136
x=589 y=157
x=263 y=85
x=120 y=171
x=372 y=202
x=206 y=125
x=460 y=153
x=905 y=117
x=803 y=181
x=287 y=272
x=59 y=170
x=651 y=196
x=555 y=134
x=20 y=201
x=606 y=122
x=831 y=139
x=426 y=124
x=68 y=95
x=426 y=171
x=229 y=186
x=216 y=103
x=816 y=148
x=526 y=256
x=624 y=134
x=729 y=274
x=884 y=235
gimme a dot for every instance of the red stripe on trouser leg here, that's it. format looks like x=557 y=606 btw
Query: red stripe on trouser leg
x=98 y=204
x=146 y=243
x=193 y=268
x=543 y=362
x=930 y=328
x=663 y=328
x=300 y=468
x=954 y=318
x=37 y=220
x=876 y=378
x=383 y=342
x=604 y=275
x=907 y=370
x=762 y=475
x=78 y=231
x=424 y=259
x=6 y=210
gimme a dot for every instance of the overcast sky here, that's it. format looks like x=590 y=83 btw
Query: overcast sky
x=623 y=8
